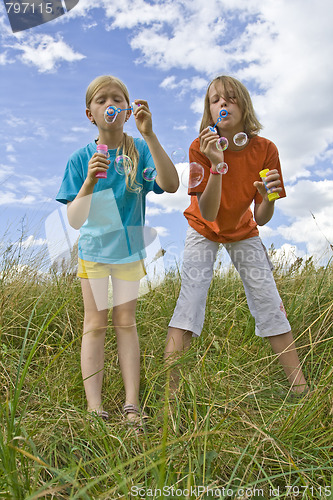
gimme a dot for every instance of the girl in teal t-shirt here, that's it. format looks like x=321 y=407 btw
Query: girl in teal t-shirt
x=110 y=214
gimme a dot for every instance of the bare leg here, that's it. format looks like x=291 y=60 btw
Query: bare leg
x=92 y=348
x=178 y=341
x=123 y=317
x=284 y=346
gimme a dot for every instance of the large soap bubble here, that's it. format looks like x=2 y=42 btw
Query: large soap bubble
x=149 y=174
x=123 y=164
x=192 y=175
x=222 y=143
x=178 y=155
x=240 y=139
x=222 y=168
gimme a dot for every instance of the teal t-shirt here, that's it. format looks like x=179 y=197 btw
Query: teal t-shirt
x=114 y=230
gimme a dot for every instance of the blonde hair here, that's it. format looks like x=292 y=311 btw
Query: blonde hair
x=230 y=85
x=127 y=146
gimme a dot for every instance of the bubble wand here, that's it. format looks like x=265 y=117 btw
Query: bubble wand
x=111 y=112
x=223 y=113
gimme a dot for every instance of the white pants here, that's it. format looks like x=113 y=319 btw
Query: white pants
x=255 y=269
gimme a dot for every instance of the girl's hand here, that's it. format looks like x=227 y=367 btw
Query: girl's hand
x=143 y=118
x=273 y=183
x=208 y=146
x=97 y=163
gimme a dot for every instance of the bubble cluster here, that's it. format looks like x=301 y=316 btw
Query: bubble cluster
x=149 y=174
x=192 y=175
x=222 y=168
x=178 y=155
x=222 y=143
x=240 y=139
x=123 y=164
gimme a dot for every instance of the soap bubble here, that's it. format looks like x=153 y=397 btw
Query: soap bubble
x=149 y=174
x=222 y=168
x=192 y=175
x=123 y=164
x=110 y=114
x=240 y=139
x=178 y=155
x=222 y=143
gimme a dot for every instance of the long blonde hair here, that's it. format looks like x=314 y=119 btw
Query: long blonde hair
x=252 y=126
x=127 y=146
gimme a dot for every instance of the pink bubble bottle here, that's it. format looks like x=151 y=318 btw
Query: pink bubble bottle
x=103 y=149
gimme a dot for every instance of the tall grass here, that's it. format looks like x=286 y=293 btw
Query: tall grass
x=233 y=427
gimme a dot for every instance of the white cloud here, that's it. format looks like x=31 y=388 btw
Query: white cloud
x=169 y=83
x=185 y=85
x=89 y=26
x=6 y=172
x=129 y=14
x=267 y=232
x=282 y=48
x=305 y=231
x=4 y=59
x=41 y=132
x=180 y=127
x=45 y=52
x=162 y=231
x=37 y=186
x=308 y=207
x=10 y=198
x=80 y=129
x=31 y=241
x=69 y=138
x=170 y=202
x=152 y=210
x=286 y=255
x=307 y=196
x=191 y=41
x=326 y=172
x=21 y=189
x=14 y=121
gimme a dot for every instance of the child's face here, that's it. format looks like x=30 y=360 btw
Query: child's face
x=220 y=98
x=109 y=95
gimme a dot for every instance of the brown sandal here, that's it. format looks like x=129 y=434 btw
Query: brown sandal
x=98 y=414
x=137 y=423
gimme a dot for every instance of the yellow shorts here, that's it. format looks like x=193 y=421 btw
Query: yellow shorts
x=132 y=271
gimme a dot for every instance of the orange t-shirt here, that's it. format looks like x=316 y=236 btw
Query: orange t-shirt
x=234 y=221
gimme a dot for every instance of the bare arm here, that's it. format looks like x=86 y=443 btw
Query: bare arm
x=78 y=209
x=263 y=212
x=167 y=177
x=210 y=199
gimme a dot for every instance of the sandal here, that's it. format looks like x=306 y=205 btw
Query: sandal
x=137 y=423
x=98 y=414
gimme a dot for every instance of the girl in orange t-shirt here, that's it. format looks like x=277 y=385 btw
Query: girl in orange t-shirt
x=220 y=213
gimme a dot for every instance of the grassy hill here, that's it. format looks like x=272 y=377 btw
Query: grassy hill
x=234 y=426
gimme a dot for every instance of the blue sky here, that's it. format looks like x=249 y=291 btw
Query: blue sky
x=167 y=52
